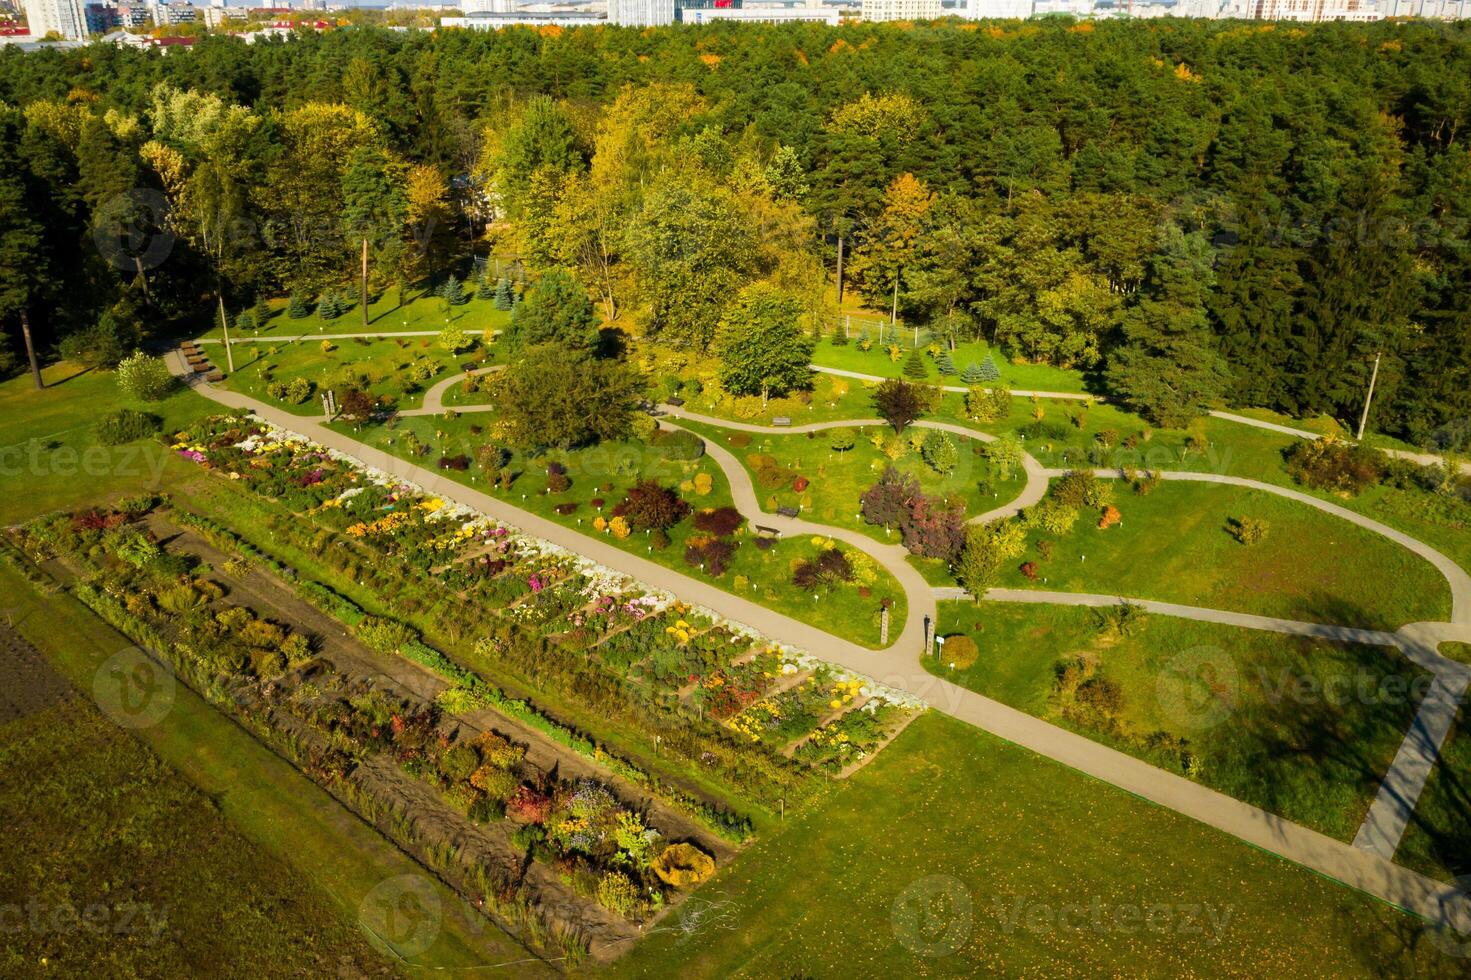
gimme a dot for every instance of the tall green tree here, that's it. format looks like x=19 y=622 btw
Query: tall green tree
x=761 y=347
x=555 y=311
x=1168 y=367
x=21 y=260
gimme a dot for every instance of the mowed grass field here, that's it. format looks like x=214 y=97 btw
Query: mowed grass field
x=1174 y=545
x=380 y=367
x=385 y=316
x=956 y=854
x=1302 y=727
x=256 y=863
x=878 y=361
x=49 y=456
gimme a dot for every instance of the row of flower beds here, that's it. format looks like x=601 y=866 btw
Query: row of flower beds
x=631 y=654
x=334 y=728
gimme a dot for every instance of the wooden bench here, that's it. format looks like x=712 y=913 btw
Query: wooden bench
x=674 y=400
x=781 y=421
x=764 y=531
x=788 y=511
x=214 y=377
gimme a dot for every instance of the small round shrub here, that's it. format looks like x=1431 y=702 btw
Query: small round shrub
x=683 y=865
x=842 y=440
x=144 y=378
x=961 y=651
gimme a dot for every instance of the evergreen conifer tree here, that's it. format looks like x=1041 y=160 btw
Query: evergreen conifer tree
x=914 y=366
x=298 y=308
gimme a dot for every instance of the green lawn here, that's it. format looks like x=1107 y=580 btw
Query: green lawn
x=1437 y=841
x=878 y=361
x=1457 y=651
x=50 y=458
x=1173 y=545
x=421 y=312
x=1274 y=720
x=967 y=849
x=606 y=471
x=838 y=479
x=285 y=886
x=379 y=367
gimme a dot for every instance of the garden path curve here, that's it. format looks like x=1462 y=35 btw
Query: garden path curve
x=900 y=666
x=1455 y=575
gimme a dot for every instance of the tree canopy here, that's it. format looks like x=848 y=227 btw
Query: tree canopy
x=1029 y=185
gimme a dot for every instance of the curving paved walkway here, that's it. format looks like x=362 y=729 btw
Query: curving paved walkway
x=1424 y=459
x=1367 y=869
x=1034 y=491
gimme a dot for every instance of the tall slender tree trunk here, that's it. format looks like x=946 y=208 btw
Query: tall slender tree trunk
x=840 y=270
x=143 y=279
x=894 y=312
x=366 y=322
x=25 y=330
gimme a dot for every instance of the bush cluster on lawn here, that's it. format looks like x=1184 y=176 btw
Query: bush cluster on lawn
x=1333 y=465
x=930 y=526
x=125 y=425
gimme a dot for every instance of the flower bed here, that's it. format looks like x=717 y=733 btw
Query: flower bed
x=499 y=596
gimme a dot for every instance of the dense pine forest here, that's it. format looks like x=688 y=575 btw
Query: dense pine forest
x=1197 y=213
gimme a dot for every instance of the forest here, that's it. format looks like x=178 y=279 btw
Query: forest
x=1195 y=213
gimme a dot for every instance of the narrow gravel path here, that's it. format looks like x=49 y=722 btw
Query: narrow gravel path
x=901 y=666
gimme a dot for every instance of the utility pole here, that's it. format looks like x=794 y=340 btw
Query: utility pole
x=1373 y=377
x=225 y=329
x=366 y=322
x=25 y=330
x=894 y=312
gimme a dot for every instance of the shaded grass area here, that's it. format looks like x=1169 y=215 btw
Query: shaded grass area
x=1174 y=545
x=1437 y=841
x=419 y=312
x=836 y=480
x=606 y=472
x=1302 y=727
x=283 y=889
x=968 y=849
x=383 y=368
x=50 y=458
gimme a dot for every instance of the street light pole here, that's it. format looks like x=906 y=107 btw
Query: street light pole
x=1373 y=377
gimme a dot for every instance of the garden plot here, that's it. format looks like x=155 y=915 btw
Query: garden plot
x=617 y=656
x=466 y=800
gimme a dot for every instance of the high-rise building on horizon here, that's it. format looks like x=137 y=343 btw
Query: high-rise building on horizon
x=641 y=13
x=65 y=18
x=881 y=10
